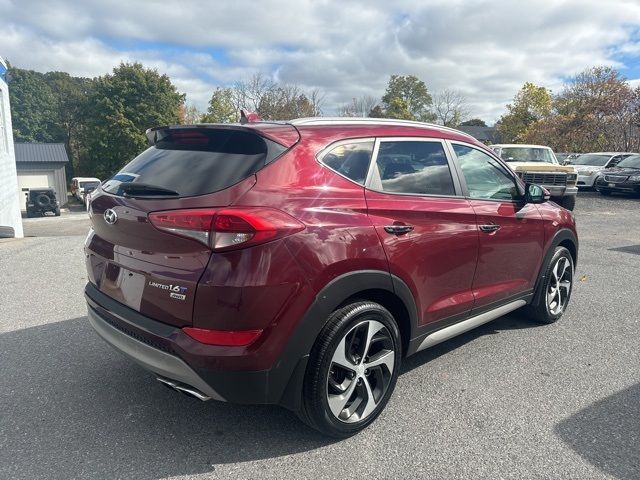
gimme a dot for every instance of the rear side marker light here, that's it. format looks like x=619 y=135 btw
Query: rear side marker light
x=227 y=228
x=222 y=337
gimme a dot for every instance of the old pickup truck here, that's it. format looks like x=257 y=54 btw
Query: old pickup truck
x=538 y=164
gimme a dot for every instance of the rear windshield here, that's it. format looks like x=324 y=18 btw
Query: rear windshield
x=195 y=162
x=89 y=184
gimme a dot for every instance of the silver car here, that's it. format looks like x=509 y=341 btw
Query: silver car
x=590 y=165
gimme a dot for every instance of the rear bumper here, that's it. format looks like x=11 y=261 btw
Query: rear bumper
x=153 y=359
x=163 y=350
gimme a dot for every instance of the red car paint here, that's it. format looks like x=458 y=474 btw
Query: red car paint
x=449 y=266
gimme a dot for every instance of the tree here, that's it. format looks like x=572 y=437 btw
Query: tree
x=594 y=112
x=71 y=95
x=50 y=107
x=408 y=98
x=530 y=105
x=33 y=107
x=376 y=112
x=121 y=107
x=474 y=122
x=358 y=107
x=222 y=108
x=450 y=107
x=286 y=102
x=190 y=115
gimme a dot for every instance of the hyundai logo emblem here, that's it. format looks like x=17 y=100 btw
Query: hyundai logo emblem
x=110 y=216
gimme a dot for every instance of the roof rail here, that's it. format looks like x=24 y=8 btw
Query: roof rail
x=310 y=121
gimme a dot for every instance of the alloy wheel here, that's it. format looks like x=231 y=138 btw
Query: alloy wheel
x=360 y=372
x=559 y=286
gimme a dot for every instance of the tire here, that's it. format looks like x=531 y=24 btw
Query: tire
x=606 y=193
x=558 y=277
x=568 y=202
x=340 y=396
x=43 y=201
x=56 y=212
x=29 y=213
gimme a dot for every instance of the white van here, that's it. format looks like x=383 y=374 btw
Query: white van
x=78 y=185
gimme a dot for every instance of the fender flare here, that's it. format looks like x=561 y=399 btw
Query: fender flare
x=287 y=376
x=559 y=237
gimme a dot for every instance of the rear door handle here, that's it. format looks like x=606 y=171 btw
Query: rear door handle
x=489 y=228
x=398 y=229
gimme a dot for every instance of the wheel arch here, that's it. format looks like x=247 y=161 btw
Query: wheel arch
x=373 y=285
x=562 y=238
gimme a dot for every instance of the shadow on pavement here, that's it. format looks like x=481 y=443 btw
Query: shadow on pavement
x=607 y=433
x=74 y=408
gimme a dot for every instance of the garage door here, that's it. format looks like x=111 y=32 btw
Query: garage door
x=32 y=180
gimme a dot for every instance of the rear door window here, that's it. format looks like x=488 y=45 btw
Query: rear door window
x=412 y=167
x=196 y=162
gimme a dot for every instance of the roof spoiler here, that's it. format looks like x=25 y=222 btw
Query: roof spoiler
x=248 y=117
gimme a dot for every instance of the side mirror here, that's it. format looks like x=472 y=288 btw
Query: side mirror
x=536 y=194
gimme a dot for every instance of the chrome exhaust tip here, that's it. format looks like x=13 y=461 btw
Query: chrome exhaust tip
x=184 y=388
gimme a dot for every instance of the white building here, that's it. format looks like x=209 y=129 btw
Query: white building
x=10 y=219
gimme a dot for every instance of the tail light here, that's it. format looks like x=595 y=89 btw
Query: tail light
x=227 y=228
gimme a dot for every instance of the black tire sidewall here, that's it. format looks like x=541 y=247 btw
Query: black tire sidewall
x=560 y=252
x=315 y=385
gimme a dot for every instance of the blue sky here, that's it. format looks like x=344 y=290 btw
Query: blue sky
x=485 y=49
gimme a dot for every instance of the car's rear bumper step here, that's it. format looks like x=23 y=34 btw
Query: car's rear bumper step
x=161 y=363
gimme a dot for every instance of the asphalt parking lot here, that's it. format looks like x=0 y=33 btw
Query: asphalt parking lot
x=508 y=400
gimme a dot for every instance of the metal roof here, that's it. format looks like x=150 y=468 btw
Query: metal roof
x=371 y=121
x=41 y=153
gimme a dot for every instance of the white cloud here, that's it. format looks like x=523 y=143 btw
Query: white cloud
x=485 y=48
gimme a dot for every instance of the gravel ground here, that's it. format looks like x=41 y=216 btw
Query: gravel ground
x=508 y=400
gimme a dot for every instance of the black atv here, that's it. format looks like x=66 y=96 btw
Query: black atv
x=40 y=201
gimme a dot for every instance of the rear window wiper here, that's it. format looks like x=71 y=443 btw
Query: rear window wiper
x=135 y=189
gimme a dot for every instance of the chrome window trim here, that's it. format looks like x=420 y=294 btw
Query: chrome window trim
x=452 y=171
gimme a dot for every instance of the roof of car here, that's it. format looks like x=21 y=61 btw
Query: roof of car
x=330 y=121
x=609 y=153
x=521 y=145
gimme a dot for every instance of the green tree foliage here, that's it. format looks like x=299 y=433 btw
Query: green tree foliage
x=49 y=107
x=474 y=122
x=407 y=98
x=121 y=107
x=285 y=103
x=376 y=112
x=222 y=108
x=33 y=107
x=594 y=112
x=530 y=105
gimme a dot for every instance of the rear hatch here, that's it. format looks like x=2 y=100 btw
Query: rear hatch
x=152 y=271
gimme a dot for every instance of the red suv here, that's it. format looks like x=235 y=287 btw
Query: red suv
x=298 y=263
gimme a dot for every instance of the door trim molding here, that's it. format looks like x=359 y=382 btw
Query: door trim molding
x=464 y=326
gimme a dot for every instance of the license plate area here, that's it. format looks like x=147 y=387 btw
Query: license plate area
x=123 y=285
